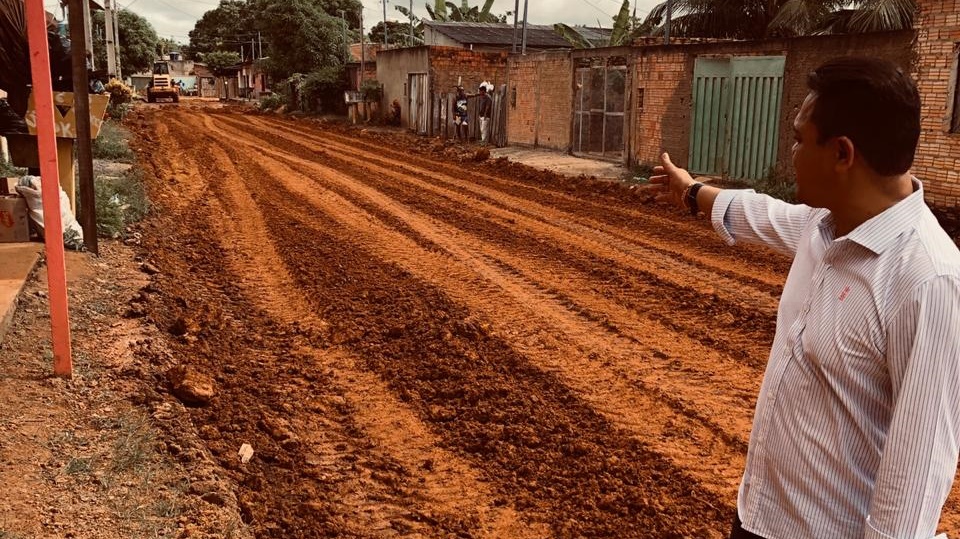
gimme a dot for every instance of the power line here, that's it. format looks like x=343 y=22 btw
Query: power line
x=596 y=7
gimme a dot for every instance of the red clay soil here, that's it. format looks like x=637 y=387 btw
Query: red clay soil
x=418 y=344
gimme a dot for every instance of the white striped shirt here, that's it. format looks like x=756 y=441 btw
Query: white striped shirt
x=855 y=434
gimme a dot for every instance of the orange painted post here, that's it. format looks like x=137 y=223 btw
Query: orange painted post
x=47 y=150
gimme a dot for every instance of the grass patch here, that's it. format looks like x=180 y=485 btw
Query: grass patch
x=113 y=143
x=121 y=201
x=134 y=445
x=777 y=183
x=78 y=466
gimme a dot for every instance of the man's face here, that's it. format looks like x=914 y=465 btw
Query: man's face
x=812 y=161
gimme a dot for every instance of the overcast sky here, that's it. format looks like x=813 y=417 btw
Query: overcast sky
x=175 y=18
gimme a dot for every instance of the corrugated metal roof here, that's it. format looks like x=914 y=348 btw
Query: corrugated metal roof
x=488 y=33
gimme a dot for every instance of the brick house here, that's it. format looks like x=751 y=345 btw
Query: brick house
x=719 y=108
x=366 y=59
x=419 y=78
x=938 y=56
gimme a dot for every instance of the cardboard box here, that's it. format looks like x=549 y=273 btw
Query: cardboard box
x=8 y=186
x=14 y=223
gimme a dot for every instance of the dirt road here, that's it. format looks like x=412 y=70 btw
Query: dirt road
x=421 y=346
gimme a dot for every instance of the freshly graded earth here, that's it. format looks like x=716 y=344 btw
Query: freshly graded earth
x=417 y=343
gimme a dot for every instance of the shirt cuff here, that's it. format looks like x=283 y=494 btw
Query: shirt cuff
x=719 y=215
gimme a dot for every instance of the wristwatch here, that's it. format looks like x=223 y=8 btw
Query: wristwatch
x=691 y=201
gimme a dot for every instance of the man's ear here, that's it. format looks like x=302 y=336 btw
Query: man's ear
x=845 y=153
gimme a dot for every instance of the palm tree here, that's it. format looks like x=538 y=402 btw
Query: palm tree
x=754 y=19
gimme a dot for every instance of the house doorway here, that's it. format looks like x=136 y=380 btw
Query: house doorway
x=600 y=109
x=419 y=94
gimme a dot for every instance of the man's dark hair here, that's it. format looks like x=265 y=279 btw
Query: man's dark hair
x=873 y=103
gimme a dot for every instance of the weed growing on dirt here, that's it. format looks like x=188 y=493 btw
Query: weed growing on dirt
x=639 y=174
x=778 y=183
x=121 y=201
x=78 y=466
x=272 y=102
x=113 y=143
x=131 y=451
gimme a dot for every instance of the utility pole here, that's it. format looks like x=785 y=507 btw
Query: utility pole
x=385 y=32
x=516 y=15
x=111 y=46
x=116 y=40
x=666 y=29
x=88 y=32
x=259 y=45
x=81 y=106
x=411 y=23
x=523 y=48
x=363 y=48
x=346 y=46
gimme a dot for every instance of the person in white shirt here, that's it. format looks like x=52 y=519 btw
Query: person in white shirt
x=857 y=425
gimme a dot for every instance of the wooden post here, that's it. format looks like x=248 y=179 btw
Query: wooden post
x=68 y=178
x=81 y=106
x=47 y=150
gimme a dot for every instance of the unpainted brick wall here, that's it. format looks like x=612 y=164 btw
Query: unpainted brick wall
x=938 y=155
x=664 y=77
x=448 y=65
x=542 y=113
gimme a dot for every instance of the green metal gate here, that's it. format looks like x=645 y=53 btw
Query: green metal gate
x=736 y=115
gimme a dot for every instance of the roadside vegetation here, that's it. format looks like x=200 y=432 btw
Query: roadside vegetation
x=118 y=182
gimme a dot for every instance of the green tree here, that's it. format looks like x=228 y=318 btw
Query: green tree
x=138 y=41
x=217 y=60
x=232 y=22
x=302 y=37
x=754 y=19
x=165 y=45
x=398 y=33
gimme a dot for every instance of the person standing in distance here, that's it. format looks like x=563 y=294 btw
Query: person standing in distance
x=460 y=114
x=484 y=111
x=857 y=424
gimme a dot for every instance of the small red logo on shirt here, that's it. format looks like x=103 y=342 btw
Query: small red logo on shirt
x=843 y=295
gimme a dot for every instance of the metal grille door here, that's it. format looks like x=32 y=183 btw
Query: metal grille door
x=599 y=105
x=736 y=116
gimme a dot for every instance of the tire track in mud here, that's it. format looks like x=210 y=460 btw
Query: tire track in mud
x=537 y=440
x=569 y=356
x=741 y=330
x=449 y=483
x=562 y=282
x=441 y=486
x=349 y=489
x=640 y=227
x=536 y=218
x=743 y=333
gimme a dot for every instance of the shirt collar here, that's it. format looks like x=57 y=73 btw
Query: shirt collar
x=880 y=231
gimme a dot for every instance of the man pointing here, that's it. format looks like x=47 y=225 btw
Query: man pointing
x=857 y=423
